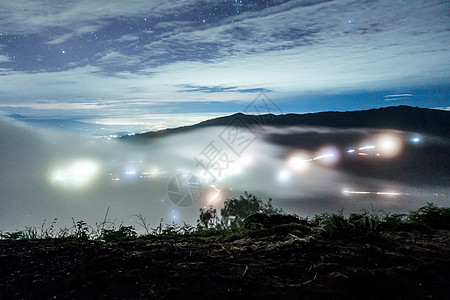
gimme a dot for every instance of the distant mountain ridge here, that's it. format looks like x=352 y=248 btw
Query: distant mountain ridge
x=71 y=125
x=405 y=118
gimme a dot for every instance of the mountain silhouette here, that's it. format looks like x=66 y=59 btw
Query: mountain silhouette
x=405 y=118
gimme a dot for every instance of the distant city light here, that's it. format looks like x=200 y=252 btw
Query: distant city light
x=367 y=147
x=215 y=195
x=389 y=145
x=328 y=156
x=345 y=191
x=283 y=175
x=356 y=192
x=246 y=160
x=77 y=173
x=389 y=193
x=235 y=168
x=298 y=161
x=323 y=156
x=174 y=215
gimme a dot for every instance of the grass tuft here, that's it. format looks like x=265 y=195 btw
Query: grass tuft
x=324 y=225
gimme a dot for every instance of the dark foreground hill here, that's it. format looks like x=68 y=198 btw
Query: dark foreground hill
x=277 y=263
x=405 y=118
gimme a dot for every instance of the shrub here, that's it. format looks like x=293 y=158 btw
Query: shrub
x=123 y=233
x=431 y=215
x=208 y=218
x=236 y=210
x=331 y=224
x=366 y=220
x=393 y=221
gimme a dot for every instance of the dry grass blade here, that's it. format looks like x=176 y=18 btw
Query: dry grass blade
x=245 y=272
x=311 y=280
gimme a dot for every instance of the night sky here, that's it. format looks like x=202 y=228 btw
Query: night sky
x=179 y=62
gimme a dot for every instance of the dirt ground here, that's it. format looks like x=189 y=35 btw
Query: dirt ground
x=259 y=264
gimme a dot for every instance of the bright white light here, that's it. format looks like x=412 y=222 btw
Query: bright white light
x=367 y=147
x=246 y=160
x=323 y=156
x=283 y=176
x=345 y=191
x=216 y=194
x=77 y=173
x=235 y=168
x=204 y=176
x=298 y=161
x=328 y=155
x=174 y=215
x=351 y=151
x=356 y=192
x=389 y=193
x=131 y=172
x=83 y=169
x=389 y=145
x=415 y=140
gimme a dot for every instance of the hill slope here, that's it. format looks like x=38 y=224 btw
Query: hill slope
x=420 y=120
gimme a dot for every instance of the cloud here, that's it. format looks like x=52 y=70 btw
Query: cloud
x=33 y=160
x=32 y=15
x=4 y=59
x=127 y=38
x=219 y=89
x=290 y=47
x=79 y=31
x=397 y=97
x=119 y=59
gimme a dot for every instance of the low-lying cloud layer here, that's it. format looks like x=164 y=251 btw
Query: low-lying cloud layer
x=47 y=174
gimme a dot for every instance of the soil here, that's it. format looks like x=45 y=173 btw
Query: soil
x=275 y=263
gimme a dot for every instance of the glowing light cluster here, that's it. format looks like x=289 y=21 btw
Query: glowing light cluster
x=367 y=148
x=298 y=161
x=234 y=169
x=76 y=174
x=345 y=191
x=283 y=176
x=221 y=170
x=214 y=194
x=386 y=145
x=246 y=160
x=328 y=156
x=389 y=145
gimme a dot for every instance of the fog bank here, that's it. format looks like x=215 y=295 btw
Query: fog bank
x=48 y=174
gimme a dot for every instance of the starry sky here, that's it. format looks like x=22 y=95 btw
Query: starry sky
x=180 y=62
